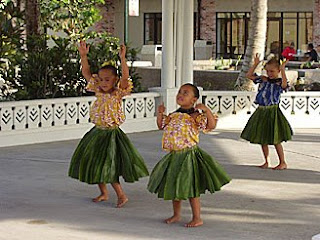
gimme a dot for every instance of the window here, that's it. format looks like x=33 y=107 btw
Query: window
x=282 y=28
x=232 y=29
x=304 y=31
x=152 y=28
x=290 y=29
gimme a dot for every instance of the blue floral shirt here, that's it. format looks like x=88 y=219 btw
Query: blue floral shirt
x=269 y=91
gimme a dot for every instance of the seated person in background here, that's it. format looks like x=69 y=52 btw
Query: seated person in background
x=288 y=52
x=311 y=55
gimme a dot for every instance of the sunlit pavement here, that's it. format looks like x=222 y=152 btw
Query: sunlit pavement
x=39 y=201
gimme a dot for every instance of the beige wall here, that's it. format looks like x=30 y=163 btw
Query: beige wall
x=136 y=27
x=136 y=24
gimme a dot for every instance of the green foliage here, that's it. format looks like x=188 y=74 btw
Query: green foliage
x=103 y=48
x=11 y=20
x=4 y=3
x=132 y=57
x=10 y=30
x=47 y=72
x=73 y=17
x=309 y=65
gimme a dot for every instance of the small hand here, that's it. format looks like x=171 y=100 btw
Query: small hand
x=256 y=59
x=215 y=116
x=283 y=64
x=202 y=107
x=83 y=48
x=161 y=108
x=122 y=51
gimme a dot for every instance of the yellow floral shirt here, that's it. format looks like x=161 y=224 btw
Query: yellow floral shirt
x=106 y=111
x=181 y=130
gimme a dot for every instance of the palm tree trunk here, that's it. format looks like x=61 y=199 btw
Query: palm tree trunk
x=32 y=14
x=256 y=42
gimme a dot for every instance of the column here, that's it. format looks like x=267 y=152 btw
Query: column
x=188 y=28
x=167 y=70
x=179 y=40
x=167 y=90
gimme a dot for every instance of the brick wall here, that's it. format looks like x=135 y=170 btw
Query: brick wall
x=316 y=22
x=107 y=23
x=208 y=22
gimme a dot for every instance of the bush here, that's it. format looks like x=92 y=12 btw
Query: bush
x=56 y=71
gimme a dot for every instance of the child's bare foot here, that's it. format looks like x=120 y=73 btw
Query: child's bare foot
x=100 y=198
x=194 y=223
x=264 y=166
x=173 y=219
x=122 y=201
x=281 y=166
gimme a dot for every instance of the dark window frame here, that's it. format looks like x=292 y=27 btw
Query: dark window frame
x=157 y=17
x=299 y=15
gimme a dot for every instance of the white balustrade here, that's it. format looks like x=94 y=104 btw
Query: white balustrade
x=46 y=120
x=302 y=109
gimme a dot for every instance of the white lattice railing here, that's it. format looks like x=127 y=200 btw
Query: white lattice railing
x=302 y=109
x=48 y=120
x=67 y=118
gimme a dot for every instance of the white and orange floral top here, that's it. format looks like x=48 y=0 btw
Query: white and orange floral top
x=181 y=130
x=106 y=111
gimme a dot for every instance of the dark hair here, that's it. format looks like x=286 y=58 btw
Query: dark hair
x=111 y=68
x=310 y=45
x=274 y=61
x=194 y=88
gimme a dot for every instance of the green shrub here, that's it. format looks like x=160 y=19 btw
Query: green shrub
x=56 y=71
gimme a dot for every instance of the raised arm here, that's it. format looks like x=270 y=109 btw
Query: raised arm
x=161 y=109
x=83 y=49
x=250 y=74
x=212 y=119
x=284 y=83
x=124 y=67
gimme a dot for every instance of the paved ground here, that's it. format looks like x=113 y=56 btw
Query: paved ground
x=39 y=201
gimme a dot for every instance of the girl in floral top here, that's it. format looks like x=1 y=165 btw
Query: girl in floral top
x=105 y=153
x=186 y=171
x=268 y=125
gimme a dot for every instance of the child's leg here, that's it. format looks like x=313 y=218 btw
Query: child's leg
x=282 y=163
x=176 y=204
x=104 y=193
x=265 y=150
x=195 y=206
x=122 y=198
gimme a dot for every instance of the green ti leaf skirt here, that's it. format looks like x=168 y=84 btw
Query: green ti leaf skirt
x=103 y=155
x=184 y=174
x=267 y=126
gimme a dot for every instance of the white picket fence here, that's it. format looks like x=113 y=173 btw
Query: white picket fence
x=36 y=121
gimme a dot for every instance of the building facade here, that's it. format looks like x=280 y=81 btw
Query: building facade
x=223 y=23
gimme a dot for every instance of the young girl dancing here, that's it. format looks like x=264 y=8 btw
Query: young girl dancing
x=268 y=125
x=186 y=171
x=105 y=152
